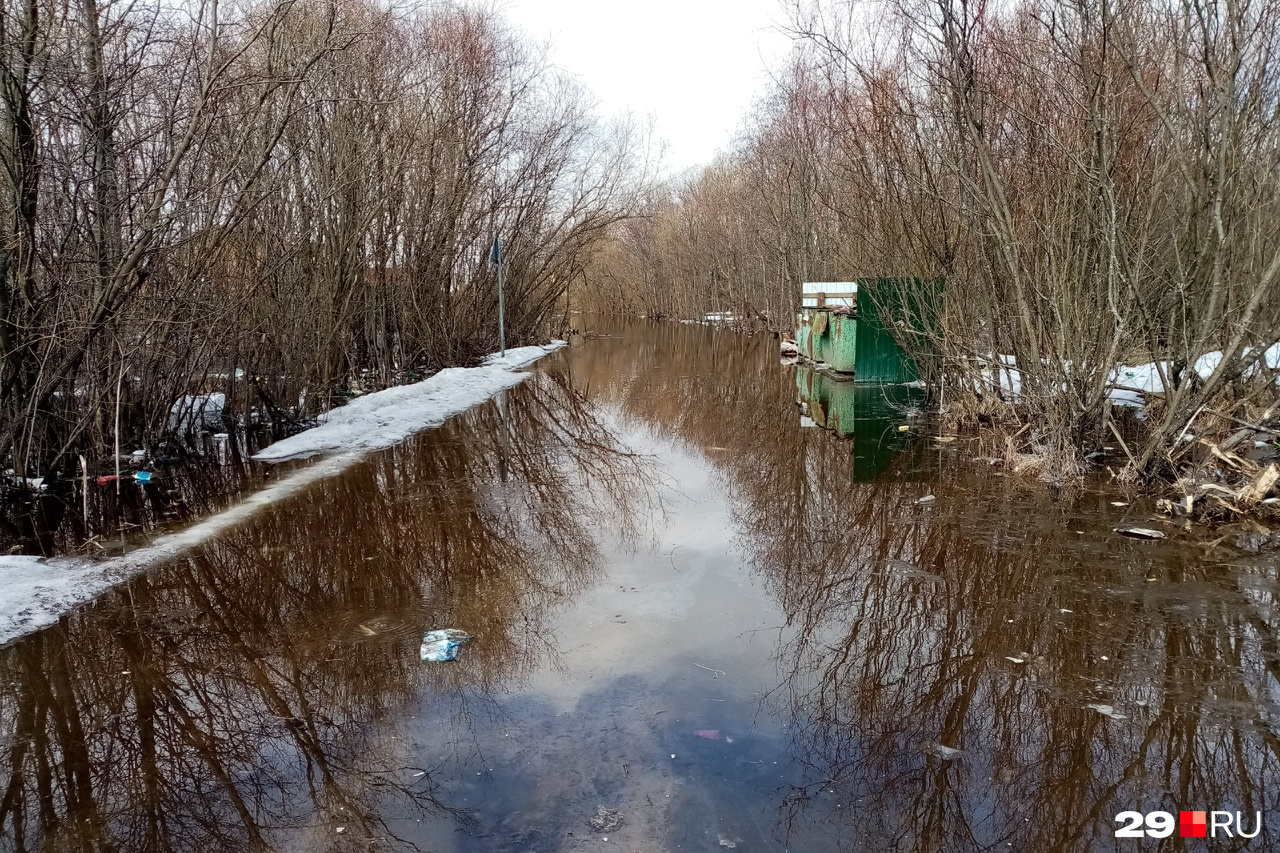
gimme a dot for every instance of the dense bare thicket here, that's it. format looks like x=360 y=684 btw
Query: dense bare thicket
x=739 y=235
x=1097 y=183
x=298 y=192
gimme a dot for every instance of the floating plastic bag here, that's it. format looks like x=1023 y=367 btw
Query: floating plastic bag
x=442 y=644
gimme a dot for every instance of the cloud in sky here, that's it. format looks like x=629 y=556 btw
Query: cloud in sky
x=694 y=65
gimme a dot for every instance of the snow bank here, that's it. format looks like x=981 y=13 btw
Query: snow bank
x=388 y=417
x=1126 y=384
x=35 y=592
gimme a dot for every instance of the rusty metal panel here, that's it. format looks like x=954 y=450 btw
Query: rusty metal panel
x=820 y=322
x=840 y=344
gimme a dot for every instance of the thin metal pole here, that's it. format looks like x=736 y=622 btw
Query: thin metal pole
x=502 y=328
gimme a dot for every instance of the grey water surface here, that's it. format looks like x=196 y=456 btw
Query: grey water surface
x=694 y=607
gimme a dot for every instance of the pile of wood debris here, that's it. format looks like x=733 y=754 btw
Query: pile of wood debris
x=1227 y=483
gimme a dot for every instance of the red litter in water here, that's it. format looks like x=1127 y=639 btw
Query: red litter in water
x=709 y=734
x=106 y=478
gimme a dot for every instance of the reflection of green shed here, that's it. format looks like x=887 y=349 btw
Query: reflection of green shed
x=844 y=326
x=869 y=414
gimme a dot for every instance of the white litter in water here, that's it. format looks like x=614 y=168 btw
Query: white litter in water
x=386 y=418
x=35 y=592
x=946 y=753
x=1106 y=711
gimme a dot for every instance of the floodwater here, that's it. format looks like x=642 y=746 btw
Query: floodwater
x=706 y=595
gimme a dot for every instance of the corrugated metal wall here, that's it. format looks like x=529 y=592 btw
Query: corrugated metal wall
x=879 y=358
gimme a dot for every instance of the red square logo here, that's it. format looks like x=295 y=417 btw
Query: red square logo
x=1191 y=824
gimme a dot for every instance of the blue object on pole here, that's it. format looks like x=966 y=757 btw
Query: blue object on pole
x=442 y=644
x=495 y=257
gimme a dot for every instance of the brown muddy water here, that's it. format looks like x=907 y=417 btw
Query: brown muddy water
x=691 y=607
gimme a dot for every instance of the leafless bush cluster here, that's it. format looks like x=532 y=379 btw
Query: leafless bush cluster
x=301 y=191
x=1097 y=184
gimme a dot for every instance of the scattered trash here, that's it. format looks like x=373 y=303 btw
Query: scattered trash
x=946 y=753
x=1106 y=711
x=726 y=841
x=927 y=499
x=716 y=673
x=944 y=439
x=442 y=644
x=1139 y=532
x=340 y=830
x=789 y=347
x=367 y=631
x=708 y=734
x=1119 y=503
x=142 y=476
x=904 y=428
x=106 y=478
x=1015 y=660
x=605 y=820
x=1065 y=610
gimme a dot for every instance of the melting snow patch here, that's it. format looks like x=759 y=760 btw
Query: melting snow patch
x=35 y=592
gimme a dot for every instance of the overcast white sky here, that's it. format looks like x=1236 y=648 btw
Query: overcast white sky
x=694 y=65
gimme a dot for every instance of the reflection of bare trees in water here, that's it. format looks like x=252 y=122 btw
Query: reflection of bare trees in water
x=903 y=618
x=985 y=623
x=226 y=702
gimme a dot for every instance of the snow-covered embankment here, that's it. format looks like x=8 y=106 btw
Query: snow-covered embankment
x=35 y=592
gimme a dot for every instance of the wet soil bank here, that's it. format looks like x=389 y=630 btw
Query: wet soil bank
x=694 y=606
